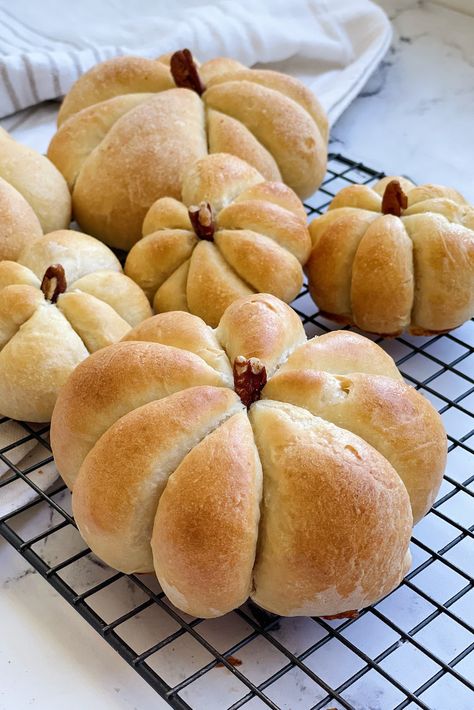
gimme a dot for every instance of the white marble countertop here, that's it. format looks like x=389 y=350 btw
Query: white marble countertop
x=414 y=117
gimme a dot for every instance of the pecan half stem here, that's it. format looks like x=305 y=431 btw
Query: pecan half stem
x=250 y=377
x=394 y=200
x=202 y=219
x=54 y=282
x=185 y=73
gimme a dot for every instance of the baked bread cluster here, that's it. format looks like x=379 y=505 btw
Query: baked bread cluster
x=129 y=128
x=232 y=234
x=63 y=299
x=34 y=197
x=248 y=461
x=394 y=257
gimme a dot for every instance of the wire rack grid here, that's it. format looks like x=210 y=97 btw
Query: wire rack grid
x=411 y=650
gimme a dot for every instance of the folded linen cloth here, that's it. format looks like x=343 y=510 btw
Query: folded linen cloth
x=332 y=45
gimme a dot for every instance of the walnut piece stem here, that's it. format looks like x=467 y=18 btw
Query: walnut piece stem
x=394 y=200
x=54 y=282
x=202 y=219
x=185 y=73
x=250 y=377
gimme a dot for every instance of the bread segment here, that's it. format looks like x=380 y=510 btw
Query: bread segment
x=291 y=136
x=186 y=332
x=383 y=265
x=265 y=265
x=261 y=326
x=140 y=372
x=388 y=414
x=141 y=159
x=45 y=338
x=206 y=526
x=336 y=518
x=114 y=77
x=115 y=511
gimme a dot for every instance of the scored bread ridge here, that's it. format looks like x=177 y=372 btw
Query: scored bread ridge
x=118 y=98
x=430 y=249
x=260 y=243
x=116 y=509
x=360 y=480
x=38 y=180
x=18 y=222
x=334 y=537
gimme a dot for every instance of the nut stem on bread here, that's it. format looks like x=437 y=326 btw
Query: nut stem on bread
x=54 y=282
x=202 y=219
x=250 y=377
x=185 y=73
x=394 y=200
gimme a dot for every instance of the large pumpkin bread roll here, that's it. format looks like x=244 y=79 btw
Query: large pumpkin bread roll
x=232 y=234
x=33 y=197
x=64 y=298
x=129 y=128
x=248 y=461
x=395 y=257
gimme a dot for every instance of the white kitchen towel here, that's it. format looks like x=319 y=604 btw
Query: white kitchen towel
x=332 y=45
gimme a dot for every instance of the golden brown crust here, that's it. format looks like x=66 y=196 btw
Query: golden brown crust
x=286 y=85
x=156 y=257
x=227 y=135
x=112 y=382
x=37 y=180
x=95 y=322
x=118 y=291
x=212 y=284
x=336 y=239
x=261 y=262
x=206 y=524
x=340 y=352
x=115 y=511
x=186 y=332
x=292 y=136
x=120 y=165
x=171 y=296
x=270 y=220
x=388 y=414
x=414 y=270
x=127 y=171
x=260 y=326
x=385 y=242
x=121 y=75
x=443 y=256
x=217 y=179
x=83 y=131
x=166 y=213
x=345 y=543
x=18 y=223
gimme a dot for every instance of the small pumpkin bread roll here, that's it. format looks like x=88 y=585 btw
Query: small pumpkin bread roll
x=65 y=298
x=395 y=257
x=248 y=461
x=232 y=234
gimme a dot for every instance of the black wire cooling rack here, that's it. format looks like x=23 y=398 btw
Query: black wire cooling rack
x=411 y=650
